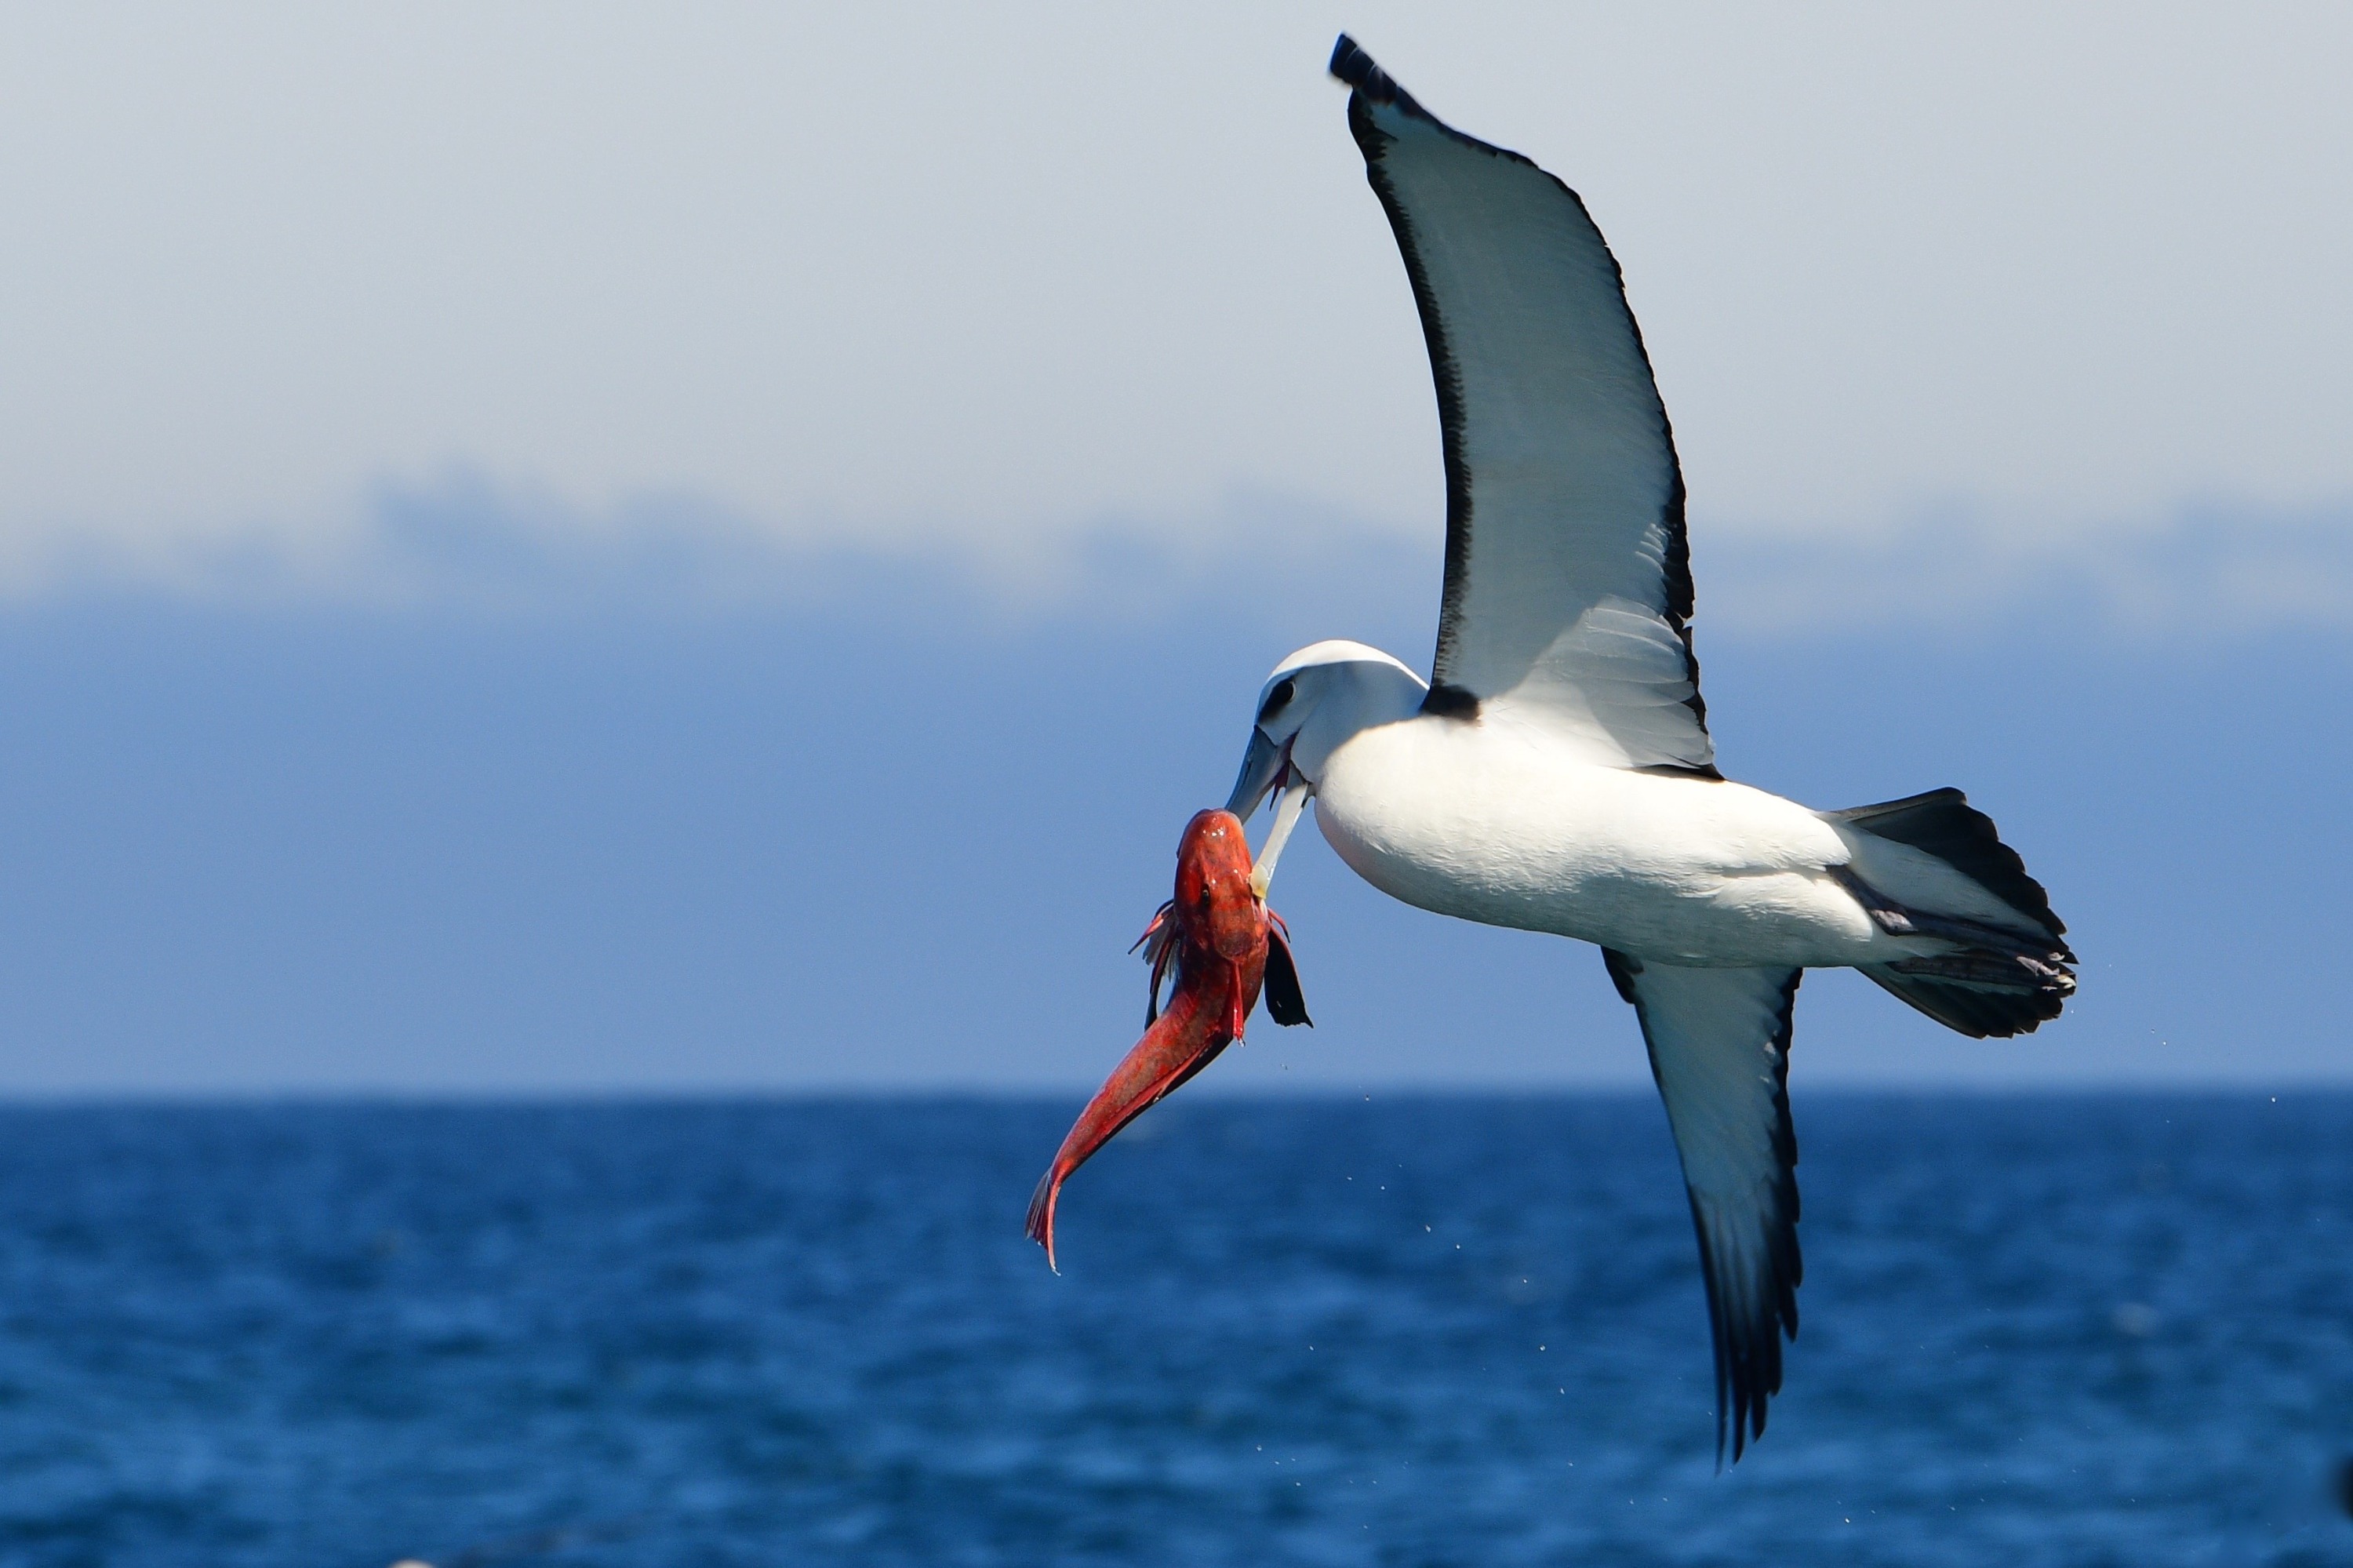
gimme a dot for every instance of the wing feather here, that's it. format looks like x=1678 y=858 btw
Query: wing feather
x=1568 y=585
x=1719 y=1043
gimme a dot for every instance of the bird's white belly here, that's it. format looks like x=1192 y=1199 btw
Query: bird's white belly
x=1509 y=828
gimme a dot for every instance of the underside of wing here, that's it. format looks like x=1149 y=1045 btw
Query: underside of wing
x=1568 y=588
x=1719 y=1043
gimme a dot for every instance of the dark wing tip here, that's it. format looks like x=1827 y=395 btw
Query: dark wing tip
x=1747 y=1321
x=1352 y=65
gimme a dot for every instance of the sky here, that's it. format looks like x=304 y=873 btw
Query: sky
x=578 y=549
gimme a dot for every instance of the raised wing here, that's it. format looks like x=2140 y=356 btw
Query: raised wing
x=1568 y=585
x=1719 y=1044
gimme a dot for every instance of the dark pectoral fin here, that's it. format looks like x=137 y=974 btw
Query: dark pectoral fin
x=1286 y=1002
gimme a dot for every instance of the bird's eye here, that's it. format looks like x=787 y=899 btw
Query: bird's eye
x=1274 y=700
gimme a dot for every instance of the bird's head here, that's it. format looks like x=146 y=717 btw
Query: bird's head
x=1310 y=706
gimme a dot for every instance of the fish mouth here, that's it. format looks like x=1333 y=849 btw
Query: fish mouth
x=1161 y=1064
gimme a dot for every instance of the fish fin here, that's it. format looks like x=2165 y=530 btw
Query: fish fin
x=1160 y=927
x=1163 y=959
x=1041 y=1226
x=1286 y=1002
x=1159 y=945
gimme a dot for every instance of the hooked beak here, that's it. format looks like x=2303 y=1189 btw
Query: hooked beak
x=1263 y=764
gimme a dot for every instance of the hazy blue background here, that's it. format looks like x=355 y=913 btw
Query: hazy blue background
x=560 y=549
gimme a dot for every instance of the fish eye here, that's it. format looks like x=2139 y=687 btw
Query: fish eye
x=1275 y=699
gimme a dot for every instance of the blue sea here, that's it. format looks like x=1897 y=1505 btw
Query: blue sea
x=1387 y=1331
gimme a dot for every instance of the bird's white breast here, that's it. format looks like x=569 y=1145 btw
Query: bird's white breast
x=1502 y=821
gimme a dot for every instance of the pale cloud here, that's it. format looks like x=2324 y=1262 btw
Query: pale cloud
x=2203 y=573
x=463 y=539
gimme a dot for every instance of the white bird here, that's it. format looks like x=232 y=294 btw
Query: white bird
x=1555 y=773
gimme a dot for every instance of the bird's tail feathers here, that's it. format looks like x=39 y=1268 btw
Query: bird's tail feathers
x=1931 y=865
x=1991 y=999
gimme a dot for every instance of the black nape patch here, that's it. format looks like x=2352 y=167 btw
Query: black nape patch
x=1448 y=701
x=1286 y=1002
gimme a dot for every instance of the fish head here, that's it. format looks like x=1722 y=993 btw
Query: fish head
x=1217 y=908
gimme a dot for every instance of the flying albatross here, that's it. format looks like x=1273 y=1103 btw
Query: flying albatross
x=1555 y=773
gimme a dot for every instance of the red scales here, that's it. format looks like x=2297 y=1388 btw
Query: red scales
x=1224 y=945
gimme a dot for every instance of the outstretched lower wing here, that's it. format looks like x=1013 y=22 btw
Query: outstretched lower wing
x=1719 y=1044
x=1568 y=588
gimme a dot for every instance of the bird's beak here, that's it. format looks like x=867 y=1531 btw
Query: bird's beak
x=1263 y=764
x=1286 y=816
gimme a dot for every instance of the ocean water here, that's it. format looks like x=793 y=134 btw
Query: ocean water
x=1392 y=1331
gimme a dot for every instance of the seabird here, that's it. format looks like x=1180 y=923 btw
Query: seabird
x=1555 y=772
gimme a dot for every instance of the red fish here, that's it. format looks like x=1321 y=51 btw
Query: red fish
x=1223 y=942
